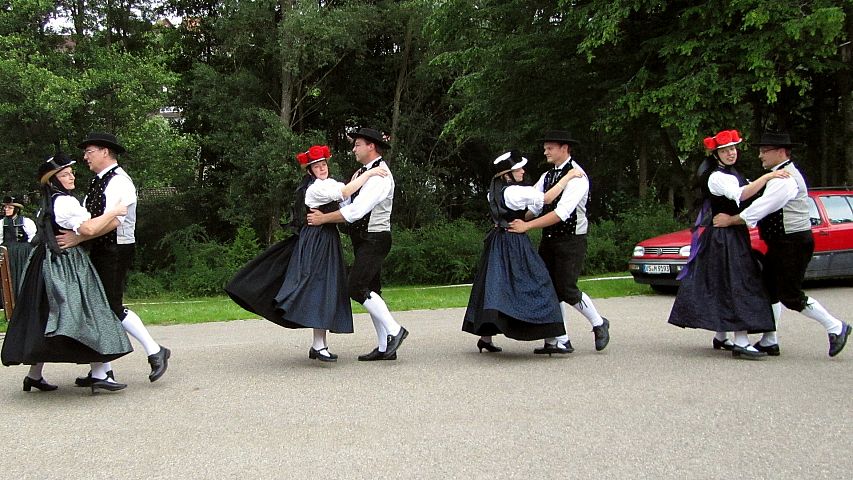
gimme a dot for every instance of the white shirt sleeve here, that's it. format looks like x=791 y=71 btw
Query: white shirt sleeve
x=518 y=197
x=777 y=193
x=575 y=190
x=374 y=191
x=724 y=185
x=540 y=187
x=69 y=214
x=30 y=228
x=120 y=189
x=322 y=192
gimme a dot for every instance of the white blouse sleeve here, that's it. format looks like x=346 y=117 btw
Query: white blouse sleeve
x=518 y=197
x=69 y=214
x=30 y=228
x=322 y=192
x=725 y=185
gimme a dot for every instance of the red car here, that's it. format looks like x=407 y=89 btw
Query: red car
x=657 y=261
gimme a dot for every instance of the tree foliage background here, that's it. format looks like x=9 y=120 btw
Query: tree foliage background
x=215 y=104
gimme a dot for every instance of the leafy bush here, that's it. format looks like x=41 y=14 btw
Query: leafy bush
x=440 y=253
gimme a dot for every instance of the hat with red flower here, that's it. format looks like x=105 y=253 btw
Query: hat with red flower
x=725 y=138
x=314 y=155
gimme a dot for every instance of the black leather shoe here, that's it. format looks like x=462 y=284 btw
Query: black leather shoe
x=602 y=335
x=316 y=355
x=837 y=342
x=771 y=350
x=556 y=348
x=40 y=384
x=488 y=346
x=87 y=380
x=375 y=354
x=747 y=354
x=159 y=363
x=394 y=341
x=106 y=385
x=723 y=345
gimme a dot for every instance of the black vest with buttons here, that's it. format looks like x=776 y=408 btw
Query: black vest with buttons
x=568 y=226
x=96 y=202
x=13 y=230
x=362 y=223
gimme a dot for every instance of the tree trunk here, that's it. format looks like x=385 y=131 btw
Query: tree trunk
x=845 y=87
x=401 y=80
x=643 y=169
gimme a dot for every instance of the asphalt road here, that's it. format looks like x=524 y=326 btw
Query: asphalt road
x=242 y=400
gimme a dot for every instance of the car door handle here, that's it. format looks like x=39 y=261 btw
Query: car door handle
x=824 y=233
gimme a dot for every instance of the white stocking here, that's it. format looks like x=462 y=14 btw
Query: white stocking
x=133 y=325
x=587 y=309
x=815 y=311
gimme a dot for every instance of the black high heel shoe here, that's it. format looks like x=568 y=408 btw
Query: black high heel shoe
x=723 y=345
x=40 y=384
x=316 y=355
x=107 y=385
x=489 y=346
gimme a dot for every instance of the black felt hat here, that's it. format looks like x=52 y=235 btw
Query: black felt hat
x=13 y=201
x=102 y=140
x=559 y=136
x=52 y=165
x=371 y=135
x=773 y=139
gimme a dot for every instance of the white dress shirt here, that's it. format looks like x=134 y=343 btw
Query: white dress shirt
x=777 y=193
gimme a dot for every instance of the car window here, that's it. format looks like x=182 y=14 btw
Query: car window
x=814 y=215
x=838 y=209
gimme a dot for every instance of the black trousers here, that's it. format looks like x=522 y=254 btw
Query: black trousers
x=113 y=263
x=370 y=249
x=564 y=258
x=785 y=266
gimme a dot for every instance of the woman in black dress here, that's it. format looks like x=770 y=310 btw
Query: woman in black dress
x=62 y=314
x=301 y=282
x=16 y=234
x=512 y=293
x=721 y=287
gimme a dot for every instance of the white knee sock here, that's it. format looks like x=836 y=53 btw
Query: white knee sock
x=379 y=312
x=381 y=334
x=741 y=338
x=133 y=325
x=319 y=339
x=815 y=311
x=564 y=309
x=587 y=309
x=770 y=338
x=99 y=371
x=35 y=371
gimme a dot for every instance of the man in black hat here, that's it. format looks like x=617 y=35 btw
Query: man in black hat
x=563 y=246
x=369 y=217
x=112 y=252
x=782 y=216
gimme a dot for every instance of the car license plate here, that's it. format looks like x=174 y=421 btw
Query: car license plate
x=657 y=268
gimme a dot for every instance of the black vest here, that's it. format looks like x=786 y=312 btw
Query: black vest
x=96 y=202
x=13 y=230
x=362 y=223
x=719 y=203
x=568 y=226
x=500 y=213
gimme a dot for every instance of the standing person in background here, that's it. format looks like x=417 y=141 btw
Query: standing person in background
x=782 y=216
x=512 y=293
x=16 y=234
x=563 y=246
x=113 y=251
x=369 y=218
x=720 y=285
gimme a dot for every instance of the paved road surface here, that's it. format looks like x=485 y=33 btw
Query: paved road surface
x=242 y=400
